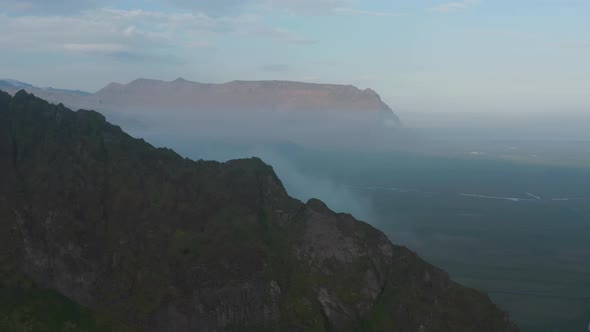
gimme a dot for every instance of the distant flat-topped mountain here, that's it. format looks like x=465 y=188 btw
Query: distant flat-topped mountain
x=244 y=95
x=319 y=115
x=232 y=96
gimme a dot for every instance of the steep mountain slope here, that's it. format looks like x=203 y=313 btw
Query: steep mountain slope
x=151 y=241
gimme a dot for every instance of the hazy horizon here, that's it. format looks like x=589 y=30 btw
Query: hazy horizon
x=472 y=56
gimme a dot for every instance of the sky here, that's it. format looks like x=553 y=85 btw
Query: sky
x=419 y=55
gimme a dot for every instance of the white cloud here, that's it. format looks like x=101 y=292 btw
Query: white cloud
x=280 y=35
x=200 y=44
x=275 y=67
x=95 y=48
x=233 y=6
x=97 y=32
x=131 y=34
x=210 y=7
x=50 y=6
x=575 y=44
x=454 y=6
x=306 y=6
x=350 y=11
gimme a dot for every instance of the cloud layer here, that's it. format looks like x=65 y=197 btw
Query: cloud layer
x=215 y=7
x=131 y=33
x=51 y=7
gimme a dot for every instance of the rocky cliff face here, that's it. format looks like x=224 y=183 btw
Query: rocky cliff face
x=150 y=241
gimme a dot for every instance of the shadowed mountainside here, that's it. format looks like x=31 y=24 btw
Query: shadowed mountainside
x=106 y=232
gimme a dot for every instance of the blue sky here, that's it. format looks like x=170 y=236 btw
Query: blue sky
x=423 y=55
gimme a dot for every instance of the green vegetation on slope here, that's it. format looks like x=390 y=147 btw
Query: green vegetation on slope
x=151 y=241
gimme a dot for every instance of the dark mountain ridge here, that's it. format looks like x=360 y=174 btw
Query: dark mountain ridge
x=151 y=241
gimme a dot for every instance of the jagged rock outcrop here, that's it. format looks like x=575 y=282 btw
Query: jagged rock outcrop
x=151 y=241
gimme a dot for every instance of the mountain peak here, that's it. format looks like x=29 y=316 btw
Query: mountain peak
x=22 y=94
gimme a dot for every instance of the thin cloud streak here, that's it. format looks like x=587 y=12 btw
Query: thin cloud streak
x=454 y=6
x=95 y=48
x=275 y=67
x=350 y=11
x=142 y=33
x=53 y=7
x=281 y=35
x=575 y=44
x=298 y=7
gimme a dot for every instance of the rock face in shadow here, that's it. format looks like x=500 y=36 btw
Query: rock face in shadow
x=151 y=241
